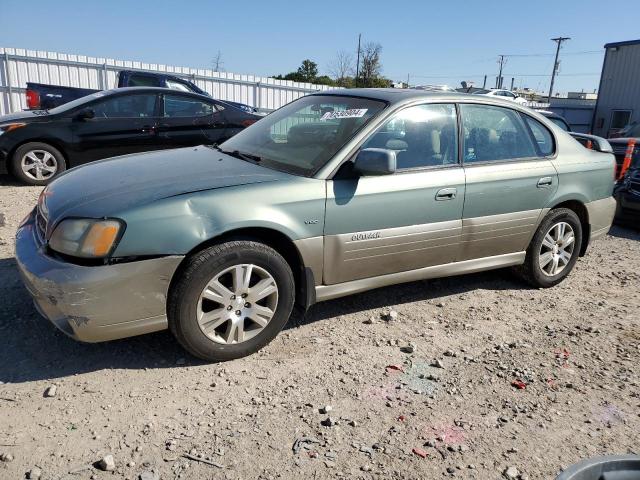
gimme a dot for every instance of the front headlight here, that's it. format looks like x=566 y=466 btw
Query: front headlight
x=85 y=237
x=7 y=127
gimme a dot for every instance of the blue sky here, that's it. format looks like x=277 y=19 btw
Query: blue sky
x=433 y=42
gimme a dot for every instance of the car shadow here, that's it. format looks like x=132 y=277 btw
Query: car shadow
x=397 y=295
x=10 y=181
x=32 y=349
x=622 y=230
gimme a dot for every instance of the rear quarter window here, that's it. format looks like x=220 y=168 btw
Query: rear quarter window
x=541 y=135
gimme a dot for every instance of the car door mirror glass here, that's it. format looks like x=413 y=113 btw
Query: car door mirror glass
x=375 y=161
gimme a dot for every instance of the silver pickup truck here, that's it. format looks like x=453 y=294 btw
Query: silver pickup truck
x=335 y=193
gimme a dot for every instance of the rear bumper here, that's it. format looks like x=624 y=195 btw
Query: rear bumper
x=97 y=303
x=601 y=213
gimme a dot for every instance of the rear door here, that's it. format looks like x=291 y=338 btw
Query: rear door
x=509 y=179
x=188 y=121
x=411 y=219
x=122 y=124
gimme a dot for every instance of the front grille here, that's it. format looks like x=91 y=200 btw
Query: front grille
x=41 y=226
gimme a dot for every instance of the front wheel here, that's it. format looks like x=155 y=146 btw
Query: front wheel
x=36 y=163
x=554 y=249
x=230 y=300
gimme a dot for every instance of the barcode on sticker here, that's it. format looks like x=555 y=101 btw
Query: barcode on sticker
x=351 y=113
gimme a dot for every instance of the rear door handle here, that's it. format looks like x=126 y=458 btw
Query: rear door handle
x=148 y=129
x=545 y=182
x=446 y=194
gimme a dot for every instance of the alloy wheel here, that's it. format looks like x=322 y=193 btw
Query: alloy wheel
x=237 y=304
x=557 y=249
x=39 y=165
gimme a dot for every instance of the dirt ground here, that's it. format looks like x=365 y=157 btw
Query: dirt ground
x=452 y=407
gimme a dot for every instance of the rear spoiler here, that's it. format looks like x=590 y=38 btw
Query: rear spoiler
x=598 y=144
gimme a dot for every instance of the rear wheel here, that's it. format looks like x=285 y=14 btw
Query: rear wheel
x=231 y=300
x=37 y=163
x=554 y=249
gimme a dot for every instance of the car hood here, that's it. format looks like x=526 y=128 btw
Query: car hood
x=107 y=187
x=24 y=116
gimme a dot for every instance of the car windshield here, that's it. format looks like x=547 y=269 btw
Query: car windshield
x=304 y=135
x=77 y=102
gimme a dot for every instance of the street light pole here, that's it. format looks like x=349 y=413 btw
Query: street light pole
x=499 y=79
x=559 y=41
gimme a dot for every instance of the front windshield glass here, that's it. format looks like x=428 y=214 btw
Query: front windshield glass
x=77 y=102
x=303 y=135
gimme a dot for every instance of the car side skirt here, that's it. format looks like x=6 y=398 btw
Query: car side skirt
x=328 y=292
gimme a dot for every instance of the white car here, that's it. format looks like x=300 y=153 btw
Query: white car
x=497 y=92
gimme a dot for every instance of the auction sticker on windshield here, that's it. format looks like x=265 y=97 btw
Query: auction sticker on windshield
x=351 y=113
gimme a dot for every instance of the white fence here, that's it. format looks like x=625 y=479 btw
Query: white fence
x=19 y=66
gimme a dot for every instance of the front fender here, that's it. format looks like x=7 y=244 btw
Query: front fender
x=176 y=225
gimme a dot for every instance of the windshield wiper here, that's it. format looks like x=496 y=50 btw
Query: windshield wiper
x=238 y=154
x=242 y=155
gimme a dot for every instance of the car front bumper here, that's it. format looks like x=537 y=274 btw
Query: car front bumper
x=95 y=303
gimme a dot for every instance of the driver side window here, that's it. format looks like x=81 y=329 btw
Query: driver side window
x=126 y=106
x=421 y=136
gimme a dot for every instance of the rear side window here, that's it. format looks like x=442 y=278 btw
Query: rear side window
x=561 y=123
x=180 y=106
x=181 y=87
x=143 y=81
x=494 y=134
x=542 y=136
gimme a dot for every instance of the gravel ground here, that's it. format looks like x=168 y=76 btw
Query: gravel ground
x=433 y=392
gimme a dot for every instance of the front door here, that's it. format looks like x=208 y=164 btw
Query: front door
x=510 y=179
x=404 y=221
x=189 y=121
x=121 y=124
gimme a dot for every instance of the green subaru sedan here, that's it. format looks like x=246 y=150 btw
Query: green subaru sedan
x=333 y=194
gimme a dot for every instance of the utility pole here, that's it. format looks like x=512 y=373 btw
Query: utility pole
x=484 y=83
x=559 y=41
x=358 y=61
x=408 y=79
x=499 y=79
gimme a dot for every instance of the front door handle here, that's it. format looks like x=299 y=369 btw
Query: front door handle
x=446 y=194
x=148 y=129
x=545 y=182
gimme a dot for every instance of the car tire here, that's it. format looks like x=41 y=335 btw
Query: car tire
x=46 y=162
x=210 y=309
x=550 y=255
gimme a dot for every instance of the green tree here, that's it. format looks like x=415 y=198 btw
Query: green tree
x=308 y=71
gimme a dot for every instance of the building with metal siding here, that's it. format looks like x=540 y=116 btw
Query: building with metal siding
x=618 y=101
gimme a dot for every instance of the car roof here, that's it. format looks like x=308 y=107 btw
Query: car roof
x=406 y=95
x=391 y=95
x=125 y=90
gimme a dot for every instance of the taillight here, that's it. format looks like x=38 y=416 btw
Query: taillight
x=33 y=99
x=248 y=121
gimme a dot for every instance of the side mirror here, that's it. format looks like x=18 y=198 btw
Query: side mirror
x=86 y=114
x=599 y=144
x=375 y=161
